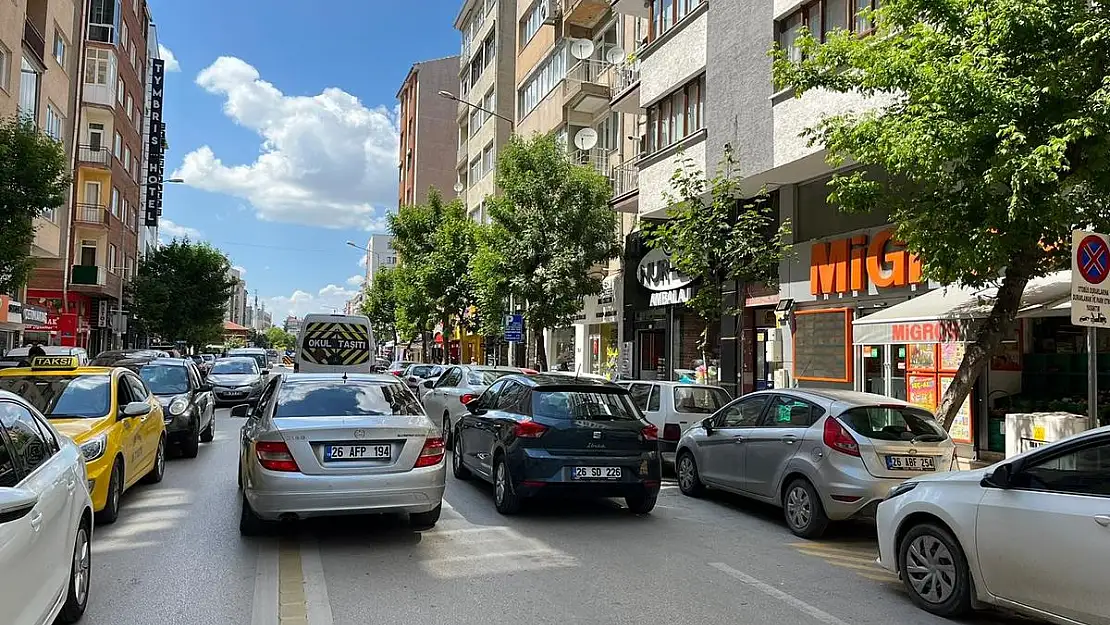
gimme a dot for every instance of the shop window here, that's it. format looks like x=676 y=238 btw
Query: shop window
x=822 y=345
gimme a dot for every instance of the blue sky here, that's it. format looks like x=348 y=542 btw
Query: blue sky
x=281 y=118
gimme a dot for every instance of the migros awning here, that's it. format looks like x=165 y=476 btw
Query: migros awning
x=950 y=314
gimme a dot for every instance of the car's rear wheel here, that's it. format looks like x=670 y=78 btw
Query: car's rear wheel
x=804 y=512
x=447 y=429
x=457 y=467
x=158 y=471
x=504 y=497
x=77 y=597
x=250 y=524
x=642 y=503
x=934 y=571
x=689 y=481
x=190 y=445
x=209 y=432
x=110 y=513
x=425 y=520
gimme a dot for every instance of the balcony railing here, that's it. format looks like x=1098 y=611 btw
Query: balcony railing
x=624 y=77
x=598 y=158
x=592 y=71
x=95 y=154
x=92 y=214
x=34 y=40
x=625 y=178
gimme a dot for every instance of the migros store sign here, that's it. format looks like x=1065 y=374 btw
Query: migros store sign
x=858 y=262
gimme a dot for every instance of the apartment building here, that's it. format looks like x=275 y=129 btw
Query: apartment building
x=428 y=130
x=379 y=255
x=237 y=305
x=486 y=80
x=39 y=65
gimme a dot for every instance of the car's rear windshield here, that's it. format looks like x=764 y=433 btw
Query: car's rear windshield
x=591 y=405
x=423 y=371
x=237 y=366
x=894 y=423
x=484 y=378
x=338 y=398
x=64 y=396
x=699 y=399
x=165 y=379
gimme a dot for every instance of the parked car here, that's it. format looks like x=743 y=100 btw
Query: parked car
x=822 y=455
x=45 y=520
x=673 y=407
x=17 y=356
x=1029 y=534
x=336 y=443
x=112 y=357
x=188 y=406
x=236 y=381
x=397 y=367
x=415 y=374
x=532 y=435
x=445 y=398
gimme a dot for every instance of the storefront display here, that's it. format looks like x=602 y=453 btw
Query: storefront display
x=822 y=351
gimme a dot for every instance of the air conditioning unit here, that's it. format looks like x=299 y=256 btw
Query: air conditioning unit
x=550 y=10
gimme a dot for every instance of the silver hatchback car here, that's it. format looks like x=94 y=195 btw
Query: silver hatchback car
x=335 y=444
x=821 y=455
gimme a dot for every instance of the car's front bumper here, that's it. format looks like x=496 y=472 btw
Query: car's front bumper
x=274 y=494
x=538 y=472
x=237 y=396
x=99 y=474
x=178 y=425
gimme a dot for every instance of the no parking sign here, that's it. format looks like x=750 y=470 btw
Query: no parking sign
x=1090 y=289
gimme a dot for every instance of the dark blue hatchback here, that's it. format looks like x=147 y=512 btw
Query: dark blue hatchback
x=533 y=435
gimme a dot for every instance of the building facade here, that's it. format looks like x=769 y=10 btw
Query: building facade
x=428 y=127
x=237 y=305
x=379 y=255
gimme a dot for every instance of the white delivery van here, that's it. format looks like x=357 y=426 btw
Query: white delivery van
x=334 y=343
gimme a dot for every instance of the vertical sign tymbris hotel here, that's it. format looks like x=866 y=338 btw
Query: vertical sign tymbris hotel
x=155 y=170
x=1090 y=289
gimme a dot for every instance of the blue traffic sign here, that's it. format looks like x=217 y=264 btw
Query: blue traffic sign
x=514 y=328
x=1093 y=259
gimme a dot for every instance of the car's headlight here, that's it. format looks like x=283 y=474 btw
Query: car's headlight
x=94 y=448
x=901 y=489
x=179 y=405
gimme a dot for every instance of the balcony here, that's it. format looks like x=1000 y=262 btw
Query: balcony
x=626 y=88
x=635 y=8
x=94 y=155
x=34 y=41
x=586 y=89
x=102 y=33
x=94 y=279
x=598 y=158
x=585 y=13
x=93 y=215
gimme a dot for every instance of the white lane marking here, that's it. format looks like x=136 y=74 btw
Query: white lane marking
x=264 y=606
x=315 y=588
x=767 y=589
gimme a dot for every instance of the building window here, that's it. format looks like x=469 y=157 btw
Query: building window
x=487 y=160
x=29 y=81
x=822 y=17
x=102 y=21
x=609 y=132
x=88 y=252
x=489 y=103
x=475 y=170
x=53 y=123
x=99 y=67
x=126 y=156
x=666 y=13
x=476 y=65
x=130 y=107
x=475 y=124
x=60 y=47
x=5 y=66
x=489 y=49
x=96 y=136
x=550 y=72
x=117 y=147
x=532 y=21
x=135 y=169
x=133 y=62
x=676 y=116
x=128 y=268
x=120 y=90
x=112 y=258
x=123 y=38
x=126 y=212
x=115 y=202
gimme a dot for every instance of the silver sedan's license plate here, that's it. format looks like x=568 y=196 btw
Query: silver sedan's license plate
x=911 y=463
x=357 y=452
x=596 y=473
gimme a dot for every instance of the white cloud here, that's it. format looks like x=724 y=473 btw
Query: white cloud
x=325 y=160
x=242 y=270
x=171 y=61
x=175 y=231
x=365 y=259
x=356 y=280
x=300 y=303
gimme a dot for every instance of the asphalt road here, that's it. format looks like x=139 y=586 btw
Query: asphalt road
x=175 y=556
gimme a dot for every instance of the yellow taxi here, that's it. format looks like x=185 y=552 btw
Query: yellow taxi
x=108 y=412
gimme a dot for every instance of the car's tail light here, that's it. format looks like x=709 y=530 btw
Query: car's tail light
x=671 y=432
x=650 y=432
x=432 y=454
x=275 y=456
x=529 y=429
x=466 y=398
x=838 y=438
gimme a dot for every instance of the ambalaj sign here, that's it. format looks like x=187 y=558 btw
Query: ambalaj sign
x=853 y=263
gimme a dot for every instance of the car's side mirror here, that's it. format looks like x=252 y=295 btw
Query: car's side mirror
x=1001 y=477
x=475 y=406
x=265 y=372
x=135 y=409
x=204 y=387
x=16 y=503
x=428 y=383
x=241 y=411
x=707 y=423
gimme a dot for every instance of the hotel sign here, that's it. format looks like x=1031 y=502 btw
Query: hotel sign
x=152 y=203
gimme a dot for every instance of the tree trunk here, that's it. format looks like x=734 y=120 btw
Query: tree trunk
x=541 y=349
x=446 y=322
x=988 y=337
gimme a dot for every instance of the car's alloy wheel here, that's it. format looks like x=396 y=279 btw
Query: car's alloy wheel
x=446 y=430
x=505 y=499
x=457 y=467
x=190 y=445
x=209 y=432
x=77 y=597
x=805 y=515
x=799 y=509
x=688 y=480
x=115 y=491
x=934 y=571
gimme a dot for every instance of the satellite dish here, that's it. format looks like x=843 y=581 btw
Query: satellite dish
x=459 y=187
x=585 y=139
x=582 y=48
x=616 y=55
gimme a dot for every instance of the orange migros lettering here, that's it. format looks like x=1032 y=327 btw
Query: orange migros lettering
x=851 y=263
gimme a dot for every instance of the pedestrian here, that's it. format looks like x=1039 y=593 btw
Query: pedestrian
x=36 y=350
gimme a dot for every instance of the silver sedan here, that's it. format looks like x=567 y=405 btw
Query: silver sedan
x=445 y=398
x=335 y=444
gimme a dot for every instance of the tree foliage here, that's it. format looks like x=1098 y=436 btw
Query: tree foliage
x=33 y=176
x=551 y=225
x=379 y=304
x=995 y=134
x=280 y=339
x=181 y=290
x=716 y=236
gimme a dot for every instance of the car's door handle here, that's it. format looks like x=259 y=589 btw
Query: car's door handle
x=1103 y=520
x=789 y=439
x=738 y=439
x=36 y=520
x=71 y=484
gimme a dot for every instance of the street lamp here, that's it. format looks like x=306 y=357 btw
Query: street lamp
x=174 y=181
x=447 y=95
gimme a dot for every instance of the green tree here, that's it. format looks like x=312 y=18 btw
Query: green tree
x=258 y=339
x=32 y=177
x=995 y=136
x=717 y=236
x=489 y=276
x=379 y=304
x=551 y=225
x=279 y=338
x=181 y=290
x=445 y=271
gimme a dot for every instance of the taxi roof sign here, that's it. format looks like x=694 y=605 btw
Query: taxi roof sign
x=46 y=363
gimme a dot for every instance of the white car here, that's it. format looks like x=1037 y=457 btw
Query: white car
x=45 y=520
x=1030 y=534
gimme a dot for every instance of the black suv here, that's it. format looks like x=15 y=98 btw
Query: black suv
x=554 y=434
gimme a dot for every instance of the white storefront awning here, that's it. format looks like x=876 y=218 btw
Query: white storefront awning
x=947 y=314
